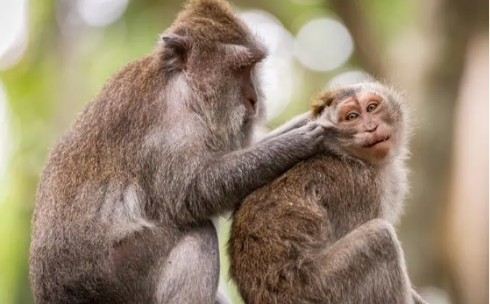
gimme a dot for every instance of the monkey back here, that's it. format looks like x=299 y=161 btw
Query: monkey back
x=278 y=228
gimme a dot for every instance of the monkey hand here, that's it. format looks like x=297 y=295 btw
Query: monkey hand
x=335 y=136
x=295 y=123
x=336 y=131
x=310 y=137
x=325 y=123
x=300 y=120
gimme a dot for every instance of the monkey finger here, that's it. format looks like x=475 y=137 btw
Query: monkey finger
x=312 y=125
x=349 y=133
x=326 y=124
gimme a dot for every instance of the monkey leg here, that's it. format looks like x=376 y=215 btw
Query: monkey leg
x=190 y=273
x=366 y=266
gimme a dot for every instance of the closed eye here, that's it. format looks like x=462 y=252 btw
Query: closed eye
x=242 y=67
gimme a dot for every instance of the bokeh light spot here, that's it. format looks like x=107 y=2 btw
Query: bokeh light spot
x=323 y=44
x=99 y=13
x=434 y=295
x=277 y=71
x=13 y=31
x=278 y=84
x=348 y=77
x=269 y=30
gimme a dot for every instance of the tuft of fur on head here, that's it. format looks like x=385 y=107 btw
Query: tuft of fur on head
x=321 y=101
x=210 y=21
x=202 y=27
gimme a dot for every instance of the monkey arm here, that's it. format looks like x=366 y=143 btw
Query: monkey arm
x=294 y=123
x=366 y=266
x=224 y=181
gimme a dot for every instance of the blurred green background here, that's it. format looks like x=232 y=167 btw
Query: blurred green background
x=56 y=55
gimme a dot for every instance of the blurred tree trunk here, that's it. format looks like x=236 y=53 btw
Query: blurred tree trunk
x=430 y=69
x=467 y=218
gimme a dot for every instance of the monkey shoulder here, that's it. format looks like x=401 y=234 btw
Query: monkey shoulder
x=288 y=191
x=327 y=174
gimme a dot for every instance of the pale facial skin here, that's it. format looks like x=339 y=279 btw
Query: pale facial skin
x=366 y=115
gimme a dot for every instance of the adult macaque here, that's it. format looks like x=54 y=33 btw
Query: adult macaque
x=124 y=206
x=323 y=231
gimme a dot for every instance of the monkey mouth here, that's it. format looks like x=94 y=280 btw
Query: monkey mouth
x=377 y=141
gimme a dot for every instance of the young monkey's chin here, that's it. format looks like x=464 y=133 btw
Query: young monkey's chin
x=378 y=151
x=374 y=153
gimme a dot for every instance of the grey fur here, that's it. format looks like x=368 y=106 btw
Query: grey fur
x=124 y=205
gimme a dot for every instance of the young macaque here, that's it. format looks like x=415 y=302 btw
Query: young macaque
x=323 y=231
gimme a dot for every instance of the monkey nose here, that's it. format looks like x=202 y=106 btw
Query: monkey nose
x=251 y=103
x=252 y=97
x=371 y=127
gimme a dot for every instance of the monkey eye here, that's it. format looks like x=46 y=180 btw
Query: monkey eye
x=371 y=107
x=242 y=67
x=351 y=116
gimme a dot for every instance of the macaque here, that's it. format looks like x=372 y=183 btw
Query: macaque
x=125 y=203
x=323 y=231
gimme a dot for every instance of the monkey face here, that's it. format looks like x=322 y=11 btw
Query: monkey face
x=226 y=81
x=228 y=77
x=369 y=111
x=365 y=115
x=216 y=55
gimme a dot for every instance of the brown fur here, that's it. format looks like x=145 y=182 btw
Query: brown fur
x=124 y=205
x=210 y=21
x=322 y=232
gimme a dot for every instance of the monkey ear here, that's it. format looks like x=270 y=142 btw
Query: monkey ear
x=321 y=102
x=176 y=49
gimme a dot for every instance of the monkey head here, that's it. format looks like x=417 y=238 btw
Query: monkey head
x=217 y=58
x=372 y=113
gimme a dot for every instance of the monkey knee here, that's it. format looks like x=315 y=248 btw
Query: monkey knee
x=196 y=251
x=379 y=238
x=190 y=273
x=379 y=228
